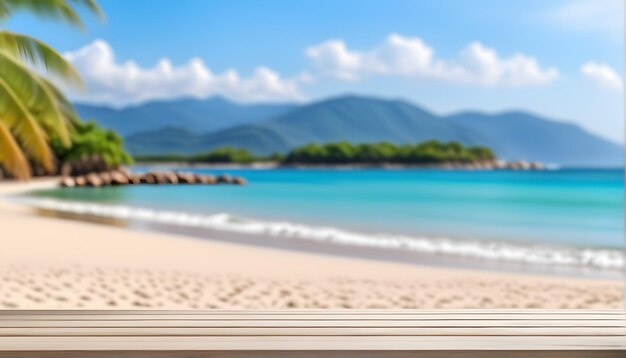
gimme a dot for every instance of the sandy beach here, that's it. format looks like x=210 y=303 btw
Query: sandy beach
x=57 y=263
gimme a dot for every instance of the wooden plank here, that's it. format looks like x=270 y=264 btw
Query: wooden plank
x=293 y=344
x=588 y=353
x=316 y=323
x=408 y=316
x=311 y=331
x=289 y=312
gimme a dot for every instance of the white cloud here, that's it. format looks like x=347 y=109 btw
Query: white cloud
x=121 y=83
x=600 y=16
x=411 y=57
x=333 y=58
x=602 y=75
x=108 y=81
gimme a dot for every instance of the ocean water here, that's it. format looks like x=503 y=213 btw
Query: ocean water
x=556 y=217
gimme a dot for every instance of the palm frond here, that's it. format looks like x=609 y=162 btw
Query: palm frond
x=53 y=9
x=61 y=115
x=66 y=107
x=5 y=11
x=22 y=123
x=39 y=54
x=11 y=156
x=36 y=94
x=93 y=6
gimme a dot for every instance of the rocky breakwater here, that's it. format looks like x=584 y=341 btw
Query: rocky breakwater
x=516 y=165
x=123 y=177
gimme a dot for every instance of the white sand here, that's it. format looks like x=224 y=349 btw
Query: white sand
x=57 y=263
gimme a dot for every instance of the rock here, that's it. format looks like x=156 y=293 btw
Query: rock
x=186 y=178
x=200 y=179
x=537 y=166
x=148 y=178
x=154 y=178
x=126 y=172
x=125 y=177
x=119 y=178
x=94 y=180
x=161 y=178
x=512 y=165
x=80 y=181
x=224 y=179
x=135 y=179
x=239 y=181
x=68 y=182
x=169 y=178
x=499 y=164
x=106 y=178
x=524 y=165
x=205 y=179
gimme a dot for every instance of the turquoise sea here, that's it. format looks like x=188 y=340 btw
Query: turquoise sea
x=560 y=217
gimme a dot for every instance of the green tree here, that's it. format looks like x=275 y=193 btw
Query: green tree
x=340 y=152
x=429 y=152
x=88 y=140
x=310 y=153
x=32 y=109
x=375 y=153
x=225 y=155
x=482 y=153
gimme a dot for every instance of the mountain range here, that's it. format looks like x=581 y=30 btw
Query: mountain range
x=189 y=126
x=199 y=115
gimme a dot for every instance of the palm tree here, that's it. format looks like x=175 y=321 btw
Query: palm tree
x=32 y=109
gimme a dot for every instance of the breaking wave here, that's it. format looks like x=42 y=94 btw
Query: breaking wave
x=606 y=259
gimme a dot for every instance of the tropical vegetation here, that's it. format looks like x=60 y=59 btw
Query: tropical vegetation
x=33 y=111
x=89 y=140
x=219 y=155
x=429 y=152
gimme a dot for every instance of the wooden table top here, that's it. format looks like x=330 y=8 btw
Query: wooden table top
x=310 y=333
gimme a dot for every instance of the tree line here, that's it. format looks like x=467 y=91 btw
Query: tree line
x=429 y=152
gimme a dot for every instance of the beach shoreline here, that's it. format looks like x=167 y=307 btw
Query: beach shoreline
x=437 y=253
x=59 y=263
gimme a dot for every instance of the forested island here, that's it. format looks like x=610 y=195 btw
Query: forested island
x=431 y=153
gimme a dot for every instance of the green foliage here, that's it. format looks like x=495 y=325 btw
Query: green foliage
x=219 y=155
x=225 y=155
x=276 y=157
x=310 y=153
x=162 y=158
x=88 y=139
x=430 y=152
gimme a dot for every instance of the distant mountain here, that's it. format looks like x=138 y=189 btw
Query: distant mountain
x=199 y=115
x=512 y=135
x=520 y=135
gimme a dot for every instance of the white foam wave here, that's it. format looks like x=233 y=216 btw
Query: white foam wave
x=607 y=259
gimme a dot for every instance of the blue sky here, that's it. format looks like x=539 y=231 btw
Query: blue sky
x=563 y=59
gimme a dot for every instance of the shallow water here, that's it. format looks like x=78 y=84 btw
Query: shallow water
x=486 y=214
